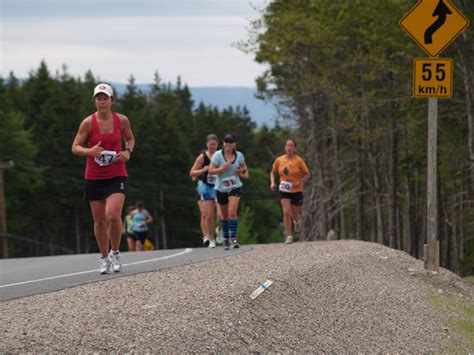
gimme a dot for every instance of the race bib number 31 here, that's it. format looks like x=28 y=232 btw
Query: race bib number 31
x=229 y=183
x=285 y=186
x=107 y=157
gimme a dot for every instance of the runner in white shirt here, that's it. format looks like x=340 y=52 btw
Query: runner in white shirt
x=229 y=166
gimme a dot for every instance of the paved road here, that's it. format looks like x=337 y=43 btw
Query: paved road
x=28 y=276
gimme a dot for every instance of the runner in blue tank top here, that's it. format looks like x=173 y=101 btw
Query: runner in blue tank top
x=140 y=220
x=230 y=166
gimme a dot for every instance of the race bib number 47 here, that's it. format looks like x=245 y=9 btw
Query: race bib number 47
x=285 y=186
x=107 y=157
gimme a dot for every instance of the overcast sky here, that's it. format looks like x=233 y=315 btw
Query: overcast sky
x=118 y=38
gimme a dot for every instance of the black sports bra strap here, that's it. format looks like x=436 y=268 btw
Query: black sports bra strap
x=206 y=161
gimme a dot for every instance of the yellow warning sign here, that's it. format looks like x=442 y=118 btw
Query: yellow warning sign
x=434 y=24
x=433 y=77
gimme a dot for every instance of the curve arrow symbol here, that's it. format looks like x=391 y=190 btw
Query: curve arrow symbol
x=441 y=11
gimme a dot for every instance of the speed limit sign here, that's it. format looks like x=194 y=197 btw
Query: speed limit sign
x=433 y=77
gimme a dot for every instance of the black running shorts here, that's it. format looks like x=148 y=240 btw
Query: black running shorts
x=96 y=190
x=140 y=236
x=295 y=197
x=223 y=197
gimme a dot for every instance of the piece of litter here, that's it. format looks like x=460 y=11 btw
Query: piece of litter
x=260 y=289
x=148 y=306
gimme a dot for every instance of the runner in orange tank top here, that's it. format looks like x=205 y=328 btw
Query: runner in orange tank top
x=293 y=173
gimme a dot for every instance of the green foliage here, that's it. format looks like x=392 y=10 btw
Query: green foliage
x=245 y=234
x=46 y=212
x=343 y=72
x=25 y=179
x=257 y=196
x=467 y=263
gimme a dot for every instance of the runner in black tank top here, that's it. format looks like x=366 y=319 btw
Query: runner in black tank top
x=205 y=190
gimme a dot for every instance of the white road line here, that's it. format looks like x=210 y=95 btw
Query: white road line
x=187 y=250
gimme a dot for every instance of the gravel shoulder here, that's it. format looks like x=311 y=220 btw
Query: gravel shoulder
x=338 y=296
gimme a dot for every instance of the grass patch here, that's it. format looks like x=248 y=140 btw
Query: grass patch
x=464 y=327
x=469 y=280
x=458 y=317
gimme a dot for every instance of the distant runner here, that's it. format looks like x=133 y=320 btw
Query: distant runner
x=230 y=166
x=141 y=218
x=206 y=193
x=293 y=173
x=105 y=175
x=127 y=230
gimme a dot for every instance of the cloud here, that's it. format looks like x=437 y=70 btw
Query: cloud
x=129 y=8
x=196 y=47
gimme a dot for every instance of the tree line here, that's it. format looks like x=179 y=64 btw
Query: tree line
x=342 y=70
x=46 y=212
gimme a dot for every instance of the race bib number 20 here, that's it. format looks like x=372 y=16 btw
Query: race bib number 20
x=285 y=186
x=107 y=157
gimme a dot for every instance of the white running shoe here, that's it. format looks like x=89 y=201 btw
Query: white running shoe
x=234 y=243
x=116 y=260
x=212 y=244
x=220 y=238
x=206 y=241
x=104 y=265
x=289 y=240
x=297 y=225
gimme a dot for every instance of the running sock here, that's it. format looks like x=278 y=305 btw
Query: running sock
x=233 y=227
x=115 y=252
x=225 y=229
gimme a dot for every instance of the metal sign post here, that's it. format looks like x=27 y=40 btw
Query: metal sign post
x=433 y=25
x=431 y=256
x=3 y=217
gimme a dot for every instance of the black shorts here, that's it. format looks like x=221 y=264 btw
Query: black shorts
x=223 y=197
x=140 y=236
x=295 y=197
x=128 y=235
x=96 y=190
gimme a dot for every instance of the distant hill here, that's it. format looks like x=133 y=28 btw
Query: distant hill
x=223 y=97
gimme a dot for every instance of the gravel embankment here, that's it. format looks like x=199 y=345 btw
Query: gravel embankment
x=326 y=296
